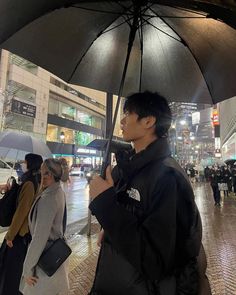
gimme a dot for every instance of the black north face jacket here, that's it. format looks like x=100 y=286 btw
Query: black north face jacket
x=152 y=227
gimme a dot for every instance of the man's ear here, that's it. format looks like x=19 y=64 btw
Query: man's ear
x=150 y=122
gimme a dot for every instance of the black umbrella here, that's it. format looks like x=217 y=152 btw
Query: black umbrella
x=182 y=49
x=230 y=162
x=116 y=146
x=185 y=50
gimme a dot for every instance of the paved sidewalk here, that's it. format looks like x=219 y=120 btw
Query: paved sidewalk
x=83 y=262
x=219 y=239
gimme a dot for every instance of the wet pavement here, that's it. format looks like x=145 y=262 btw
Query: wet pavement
x=77 y=205
x=77 y=199
x=219 y=240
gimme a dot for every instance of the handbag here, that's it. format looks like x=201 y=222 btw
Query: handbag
x=53 y=257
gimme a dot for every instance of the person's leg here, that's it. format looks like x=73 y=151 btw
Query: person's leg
x=15 y=257
x=214 y=193
x=217 y=197
x=234 y=185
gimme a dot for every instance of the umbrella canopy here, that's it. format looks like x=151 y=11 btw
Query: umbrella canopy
x=185 y=50
x=16 y=145
x=230 y=162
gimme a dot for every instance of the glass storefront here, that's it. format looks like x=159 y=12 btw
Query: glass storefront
x=76 y=113
x=69 y=136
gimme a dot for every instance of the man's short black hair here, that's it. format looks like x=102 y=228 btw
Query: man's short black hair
x=146 y=104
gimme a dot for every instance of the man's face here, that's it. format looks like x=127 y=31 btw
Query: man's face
x=132 y=128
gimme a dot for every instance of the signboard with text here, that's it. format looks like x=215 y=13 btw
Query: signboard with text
x=215 y=117
x=23 y=108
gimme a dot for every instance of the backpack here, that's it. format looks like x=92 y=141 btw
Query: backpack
x=8 y=204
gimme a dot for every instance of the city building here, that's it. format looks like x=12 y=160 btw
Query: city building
x=185 y=140
x=204 y=136
x=227 y=116
x=67 y=117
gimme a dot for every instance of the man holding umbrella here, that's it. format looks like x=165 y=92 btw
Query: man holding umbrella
x=152 y=228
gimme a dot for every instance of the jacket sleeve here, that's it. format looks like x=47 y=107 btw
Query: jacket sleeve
x=46 y=212
x=148 y=245
x=26 y=198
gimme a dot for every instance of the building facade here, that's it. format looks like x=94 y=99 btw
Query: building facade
x=186 y=142
x=227 y=114
x=36 y=102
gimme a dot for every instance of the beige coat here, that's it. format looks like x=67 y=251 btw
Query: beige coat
x=45 y=223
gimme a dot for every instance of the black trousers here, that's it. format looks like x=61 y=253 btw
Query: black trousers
x=234 y=184
x=216 y=193
x=12 y=266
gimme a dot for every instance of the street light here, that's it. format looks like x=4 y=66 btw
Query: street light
x=62 y=136
x=182 y=122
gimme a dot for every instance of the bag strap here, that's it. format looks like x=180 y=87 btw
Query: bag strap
x=64 y=220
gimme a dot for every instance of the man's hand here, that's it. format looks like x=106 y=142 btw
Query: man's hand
x=9 y=243
x=98 y=185
x=31 y=281
x=100 y=238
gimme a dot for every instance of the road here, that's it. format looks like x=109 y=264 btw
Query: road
x=77 y=205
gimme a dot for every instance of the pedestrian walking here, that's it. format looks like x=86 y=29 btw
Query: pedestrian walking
x=192 y=175
x=207 y=173
x=226 y=177
x=215 y=181
x=46 y=225
x=18 y=237
x=152 y=228
x=233 y=172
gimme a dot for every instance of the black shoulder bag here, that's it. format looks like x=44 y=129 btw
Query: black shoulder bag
x=53 y=257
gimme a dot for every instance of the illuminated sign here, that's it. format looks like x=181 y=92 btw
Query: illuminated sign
x=215 y=117
x=195 y=118
x=217 y=143
x=217 y=153
x=85 y=151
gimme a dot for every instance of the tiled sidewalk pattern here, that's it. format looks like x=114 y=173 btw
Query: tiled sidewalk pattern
x=83 y=262
x=219 y=239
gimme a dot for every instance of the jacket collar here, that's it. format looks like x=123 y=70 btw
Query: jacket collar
x=130 y=162
x=52 y=187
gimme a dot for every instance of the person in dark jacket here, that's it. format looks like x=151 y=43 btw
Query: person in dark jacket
x=215 y=181
x=233 y=172
x=18 y=237
x=226 y=178
x=207 y=173
x=152 y=228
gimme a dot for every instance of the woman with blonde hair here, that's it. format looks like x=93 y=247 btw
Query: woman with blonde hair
x=46 y=225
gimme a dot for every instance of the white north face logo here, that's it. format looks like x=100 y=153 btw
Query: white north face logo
x=134 y=194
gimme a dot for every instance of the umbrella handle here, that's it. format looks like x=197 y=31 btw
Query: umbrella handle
x=129 y=48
